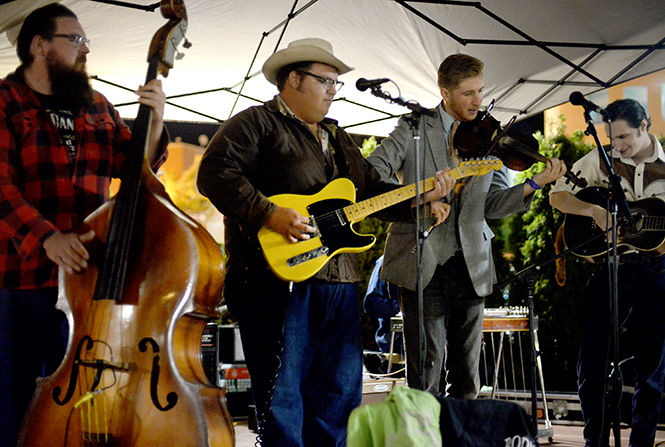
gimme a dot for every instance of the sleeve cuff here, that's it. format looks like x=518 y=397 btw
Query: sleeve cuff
x=34 y=240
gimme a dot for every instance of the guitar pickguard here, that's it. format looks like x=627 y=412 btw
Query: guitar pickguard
x=334 y=233
x=335 y=229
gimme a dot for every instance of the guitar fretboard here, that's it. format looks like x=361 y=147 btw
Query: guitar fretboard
x=360 y=210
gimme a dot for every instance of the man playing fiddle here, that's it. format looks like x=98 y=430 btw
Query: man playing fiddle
x=60 y=144
x=639 y=160
x=458 y=270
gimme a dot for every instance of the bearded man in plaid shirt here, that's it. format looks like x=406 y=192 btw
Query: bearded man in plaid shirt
x=60 y=144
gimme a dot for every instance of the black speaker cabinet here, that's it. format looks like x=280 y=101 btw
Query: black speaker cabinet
x=210 y=353
x=230 y=346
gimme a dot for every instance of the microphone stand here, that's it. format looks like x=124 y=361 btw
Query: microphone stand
x=414 y=121
x=616 y=204
x=527 y=276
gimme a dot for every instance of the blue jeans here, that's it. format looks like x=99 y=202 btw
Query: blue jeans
x=33 y=339
x=317 y=373
x=642 y=311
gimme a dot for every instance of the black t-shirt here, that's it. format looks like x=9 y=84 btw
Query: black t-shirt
x=63 y=120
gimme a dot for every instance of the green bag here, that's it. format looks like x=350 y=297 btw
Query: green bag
x=407 y=418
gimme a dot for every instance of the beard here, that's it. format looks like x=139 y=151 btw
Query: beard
x=70 y=85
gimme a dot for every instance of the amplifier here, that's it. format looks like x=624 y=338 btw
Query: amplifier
x=210 y=354
x=498 y=319
x=512 y=318
x=220 y=344
x=223 y=363
x=230 y=346
x=235 y=378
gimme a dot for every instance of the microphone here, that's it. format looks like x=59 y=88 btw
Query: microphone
x=578 y=99
x=363 y=84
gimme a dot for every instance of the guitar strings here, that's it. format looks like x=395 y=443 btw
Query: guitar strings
x=332 y=216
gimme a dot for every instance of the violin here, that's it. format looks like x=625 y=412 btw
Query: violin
x=484 y=136
x=133 y=374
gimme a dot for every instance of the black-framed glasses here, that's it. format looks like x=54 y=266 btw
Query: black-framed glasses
x=76 y=39
x=328 y=82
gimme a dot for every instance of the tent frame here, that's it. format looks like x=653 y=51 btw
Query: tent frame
x=527 y=40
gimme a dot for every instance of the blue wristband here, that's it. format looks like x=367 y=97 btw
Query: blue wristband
x=533 y=184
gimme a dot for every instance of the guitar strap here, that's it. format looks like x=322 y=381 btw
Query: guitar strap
x=601 y=163
x=620 y=168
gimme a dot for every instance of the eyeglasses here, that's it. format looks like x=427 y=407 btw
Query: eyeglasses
x=328 y=82
x=77 y=40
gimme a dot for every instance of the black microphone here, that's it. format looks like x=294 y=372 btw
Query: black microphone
x=363 y=84
x=578 y=99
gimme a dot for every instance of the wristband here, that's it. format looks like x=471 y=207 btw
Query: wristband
x=533 y=184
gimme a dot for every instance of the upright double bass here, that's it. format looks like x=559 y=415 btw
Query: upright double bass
x=132 y=374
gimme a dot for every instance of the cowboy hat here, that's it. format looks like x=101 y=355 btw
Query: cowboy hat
x=303 y=50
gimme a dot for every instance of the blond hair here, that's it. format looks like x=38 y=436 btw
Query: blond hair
x=456 y=68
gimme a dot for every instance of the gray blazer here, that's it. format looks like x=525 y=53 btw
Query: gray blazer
x=486 y=197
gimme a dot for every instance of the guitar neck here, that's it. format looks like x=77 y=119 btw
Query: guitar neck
x=360 y=210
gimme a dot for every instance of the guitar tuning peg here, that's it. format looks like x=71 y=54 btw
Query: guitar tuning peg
x=179 y=55
x=186 y=43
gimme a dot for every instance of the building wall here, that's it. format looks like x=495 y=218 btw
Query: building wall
x=181 y=186
x=649 y=90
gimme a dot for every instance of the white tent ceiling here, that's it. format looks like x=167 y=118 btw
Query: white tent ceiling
x=536 y=52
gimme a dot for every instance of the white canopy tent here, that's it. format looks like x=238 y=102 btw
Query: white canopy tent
x=535 y=52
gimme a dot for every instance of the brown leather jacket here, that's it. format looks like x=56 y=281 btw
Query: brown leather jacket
x=261 y=152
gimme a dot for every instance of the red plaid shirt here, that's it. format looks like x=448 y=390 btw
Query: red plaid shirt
x=41 y=189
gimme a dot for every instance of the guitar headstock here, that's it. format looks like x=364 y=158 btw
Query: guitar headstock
x=477 y=167
x=164 y=44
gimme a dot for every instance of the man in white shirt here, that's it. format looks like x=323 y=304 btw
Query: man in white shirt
x=639 y=161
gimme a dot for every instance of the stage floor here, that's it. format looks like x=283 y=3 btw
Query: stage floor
x=564 y=436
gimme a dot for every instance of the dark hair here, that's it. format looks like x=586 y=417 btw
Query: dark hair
x=283 y=73
x=40 y=22
x=456 y=68
x=630 y=111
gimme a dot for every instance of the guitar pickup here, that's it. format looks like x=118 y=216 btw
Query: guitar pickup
x=306 y=256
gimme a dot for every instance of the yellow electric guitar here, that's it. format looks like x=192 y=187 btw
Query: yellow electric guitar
x=332 y=212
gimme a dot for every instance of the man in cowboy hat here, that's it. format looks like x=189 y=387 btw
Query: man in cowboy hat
x=301 y=340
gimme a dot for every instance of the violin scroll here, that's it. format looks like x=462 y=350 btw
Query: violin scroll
x=164 y=44
x=173 y=9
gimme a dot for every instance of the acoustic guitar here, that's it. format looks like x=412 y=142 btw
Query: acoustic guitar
x=646 y=234
x=332 y=211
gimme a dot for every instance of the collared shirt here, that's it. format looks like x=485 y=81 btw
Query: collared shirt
x=646 y=179
x=448 y=121
x=44 y=190
x=321 y=135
